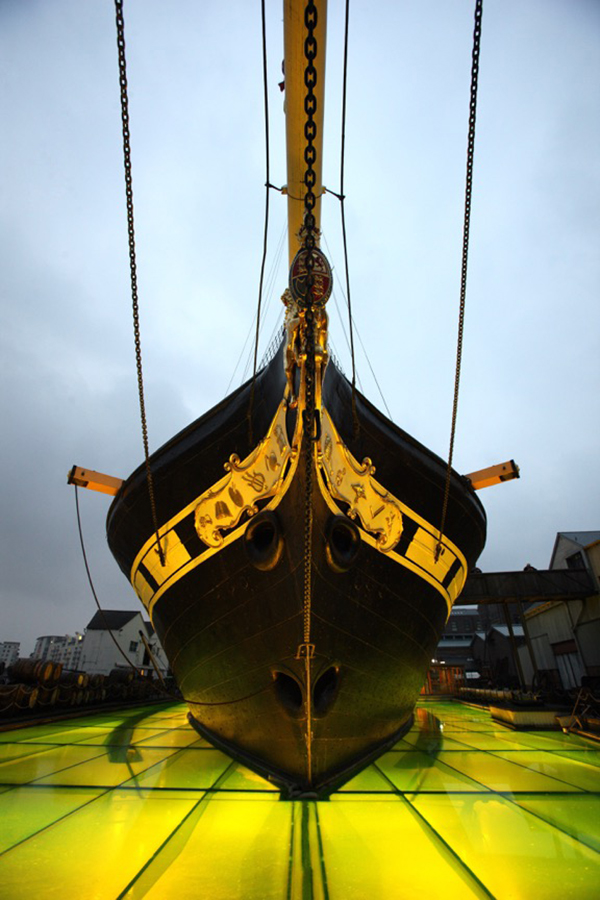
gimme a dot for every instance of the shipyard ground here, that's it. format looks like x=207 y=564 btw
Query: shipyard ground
x=134 y=804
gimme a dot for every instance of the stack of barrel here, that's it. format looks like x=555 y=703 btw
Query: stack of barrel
x=32 y=683
x=36 y=684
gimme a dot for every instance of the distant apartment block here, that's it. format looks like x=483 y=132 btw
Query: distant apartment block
x=65 y=649
x=9 y=652
x=45 y=644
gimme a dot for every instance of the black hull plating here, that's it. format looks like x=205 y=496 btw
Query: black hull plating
x=232 y=629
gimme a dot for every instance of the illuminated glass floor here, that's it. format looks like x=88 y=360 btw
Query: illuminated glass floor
x=135 y=805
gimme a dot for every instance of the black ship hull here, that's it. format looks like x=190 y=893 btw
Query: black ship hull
x=230 y=605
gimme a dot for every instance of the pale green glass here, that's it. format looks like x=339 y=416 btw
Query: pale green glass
x=513 y=853
x=135 y=804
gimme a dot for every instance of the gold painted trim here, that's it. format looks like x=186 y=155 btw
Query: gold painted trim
x=352 y=483
x=210 y=551
x=257 y=477
x=274 y=455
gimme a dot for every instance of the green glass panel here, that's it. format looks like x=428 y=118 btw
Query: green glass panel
x=404 y=743
x=115 y=766
x=20 y=750
x=590 y=757
x=101 y=737
x=434 y=743
x=378 y=848
x=513 y=853
x=26 y=810
x=462 y=726
x=95 y=852
x=577 y=814
x=177 y=737
x=192 y=769
x=419 y=772
x=228 y=848
x=370 y=779
x=570 y=773
x=554 y=740
x=242 y=779
x=52 y=762
x=38 y=732
x=484 y=740
x=500 y=774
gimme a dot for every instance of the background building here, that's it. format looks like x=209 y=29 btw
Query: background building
x=44 y=646
x=9 y=653
x=65 y=649
x=96 y=652
x=544 y=631
x=565 y=636
x=100 y=653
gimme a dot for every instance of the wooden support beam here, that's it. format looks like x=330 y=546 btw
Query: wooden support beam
x=94 y=481
x=494 y=475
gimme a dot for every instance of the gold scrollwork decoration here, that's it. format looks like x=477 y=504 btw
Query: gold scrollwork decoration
x=352 y=483
x=255 y=478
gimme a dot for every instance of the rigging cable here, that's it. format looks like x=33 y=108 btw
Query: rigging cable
x=341 y=199
x=93 y=590
x=165 y=690
x=268 y=291
x=266 y=229
x=364 y=349
x=270 y=282
x=132 y=264
x=465 y=255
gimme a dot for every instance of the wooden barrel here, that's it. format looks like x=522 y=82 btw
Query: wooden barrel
x=48 y=695
x=70 y=676
x=24 y=671
x=58 y=667
x=45 y=671
x=8 y=696
x=27 y=696
x=65 y=694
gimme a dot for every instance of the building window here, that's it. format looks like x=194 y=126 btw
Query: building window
x=575 y=561
x=133 y=645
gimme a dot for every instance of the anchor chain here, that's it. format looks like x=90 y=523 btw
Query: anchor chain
x=465 y=258
x=309 y=229
x=309 y=242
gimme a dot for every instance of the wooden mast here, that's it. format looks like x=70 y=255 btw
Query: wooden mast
x=294 y=35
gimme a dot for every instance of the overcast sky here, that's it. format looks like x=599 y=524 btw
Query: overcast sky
x=531 y=360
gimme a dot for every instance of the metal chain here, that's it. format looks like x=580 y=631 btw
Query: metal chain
x=132 y=262
x=309 y=241
x=465 y=256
